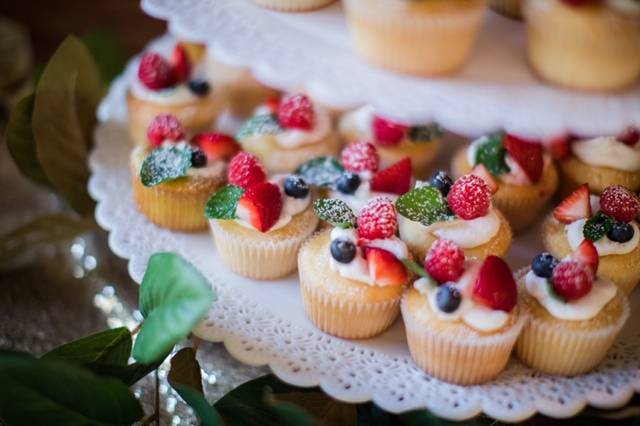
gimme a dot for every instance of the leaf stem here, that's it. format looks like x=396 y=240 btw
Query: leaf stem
x=136 y=329
x=196 y=344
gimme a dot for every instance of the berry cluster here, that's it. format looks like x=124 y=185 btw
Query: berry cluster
x=156 y=72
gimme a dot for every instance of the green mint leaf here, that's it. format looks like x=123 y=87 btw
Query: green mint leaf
x=597 y=226
x=223 y=204
x=424 y=204
x=261 y=124
x=336 y=212
x=421 y=134
x=111 y=347
x=321 y=171
x=165 y=164
x=492 y=154
x=417 y=269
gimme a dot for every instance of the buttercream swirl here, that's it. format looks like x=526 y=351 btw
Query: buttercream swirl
x=608 y=152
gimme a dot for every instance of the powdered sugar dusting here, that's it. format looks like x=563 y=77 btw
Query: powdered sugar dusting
x=360 y=157
x=620 y=203
x=378 y=219
x=470 y=197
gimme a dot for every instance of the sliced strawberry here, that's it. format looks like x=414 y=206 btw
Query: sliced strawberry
x=272 y=104
x=527 y=153
x=180 y=63
x=296 y=112
x=576 y=206
x=261 y=205
x=631 y=136
x=560 y=147
x=395 y=179
x=481 y=171
x=385 y=268
x=245 y=170
x=387 y=132
x=217 y=145
x=495 y=286
x=156 y=72
x=587 y=254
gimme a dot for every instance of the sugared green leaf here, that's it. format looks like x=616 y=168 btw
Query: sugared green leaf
x=321 y=171
x=428 y=133
x=336 y=212
x=492 y=154
x=165 y=164
x=424 y=204
x=111 y=347
x=597 y=226
x=261 y=124
x=223 y=204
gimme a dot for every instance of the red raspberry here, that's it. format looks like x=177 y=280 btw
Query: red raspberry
x=162 y=127
x=631 y=136
x=245 y=170
x=360 y=157
x=470 y=197
x=156 y=72
x=378 y=219
x=620 y=203
x=387 y=132
x=572 y=279
x=444 y=261
x=296 y=112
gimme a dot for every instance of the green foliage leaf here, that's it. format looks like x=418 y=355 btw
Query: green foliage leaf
x=424 y=204
x=597 y=226
x=321 y=171
x=165 y=164
x=492 y=154
x=421 y=134
x=174 y=296
x=64 y=116
x=289 y=413
x=55 y=393
x=20 y=141
x=129 y=374
x=261 y=124
x=336 y=212
x=107 y=53
x=206 y=413
x=223 y=204
x=106 y=347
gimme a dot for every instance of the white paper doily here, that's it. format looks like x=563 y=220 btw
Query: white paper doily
x=495 y=90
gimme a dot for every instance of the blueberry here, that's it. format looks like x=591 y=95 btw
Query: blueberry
x=296 y=187
x=620 y=232
x=543 y=265
x=448 y=298
x=442 y=181
x=199 y=87
x=343 y=250
x=198 y=158
x=348 y=183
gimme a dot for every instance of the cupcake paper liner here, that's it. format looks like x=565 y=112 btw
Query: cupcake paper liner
x=292 y=5
x=574 y=173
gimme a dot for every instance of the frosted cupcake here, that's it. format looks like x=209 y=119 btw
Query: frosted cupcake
x=575 y=313
x=393 y=140
x=293 y=5
x=258 y=225
x=415 y=37
x=285 y=133
x=510 y=8
x=462 y=316
x=173 y=178
x=461 y=212
x=609 y=221
x=593 y=45
x=522 y=176
x=174 y=86
x=352 y=276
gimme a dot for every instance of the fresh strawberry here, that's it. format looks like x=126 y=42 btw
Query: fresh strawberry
x=387 y=132
x=164 y=127
x=444 y=261
x=575 y=206
x=272 y=104
x=619 y=203
x=560 y=147
x=470 y=197
x=587 y=254
x=384 y=268
x=261 y=205
x=181 y=64
x=216 y=145
x=631 y=136
x=245 y=170
x=481 y=171
x=572 y=279
x=395 y=179
x=156 y=72
x=360 y=157
x=528 y=155
x=495 y=286
x=296 y=112
x=378 y=219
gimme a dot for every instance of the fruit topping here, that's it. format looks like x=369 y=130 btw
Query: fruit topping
x=597 y=226
x=336 y=212
x=441 y=181
x=587 y=254
x=343 y=250
x=572 y=279
x=630 y=136
x=199 y=87
x=261 y=205
x=395 y=179
x=360 y=157
x=385 y=268
x=424 y=204
x=470 y=197
x=181 y=64
x=272 y=104
x=444 y=261
x=348 y=183
x=216 y=145
x=387 y=132
x=425 y=133
x=621 y=232
x=296 y=187
x=448 y=298
x=528 y=155
x=620 y=203
x=575 y=206
x=245 y=170
x=560 y=147
x=156 y=72
x=164 y=127
x=296 y=112
x=543 y=265
x=495 y=286
x=378 y=219
x=492 y=154
x=482 y=172
x=198 y=158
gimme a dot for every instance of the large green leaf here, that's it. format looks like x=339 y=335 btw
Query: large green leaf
x=110 y=347
x=206 y=413
x=107 y=52
x=38 y=392
x=129 y=374
x=64 y=116
x=174 y=296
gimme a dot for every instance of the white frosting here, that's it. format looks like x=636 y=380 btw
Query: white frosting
x=473 y=314
x=293 y=138
x=605 y=247
x=608 y=152
x=581 y=309
x=212 y=169
x=363 y=194
x=358 y=121
x=176 y=95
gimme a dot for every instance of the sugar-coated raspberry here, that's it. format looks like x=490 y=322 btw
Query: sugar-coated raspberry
x=470 y=197
x=444 y=261
x=156 y=72
x=388 y=132
x=360 y=157
x=296 y=112
x=378 y=219
x=620 y=203
x=572 y=279
x=164 y=127
x=245 y=170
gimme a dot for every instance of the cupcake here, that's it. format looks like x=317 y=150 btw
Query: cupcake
x=174 y=86
x=293 y=5
x=258 y=224
x=601 y=161
x=461 y=212
x=588 y=44
x=285 y=133
x=510 y=8
x=575 y=313
x=525 y=177
x=174 y=178
x=609 y=221
x=393 y=140
x=462 y=316
x=415 y=37
x=352 y=276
